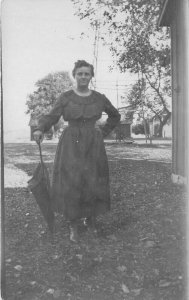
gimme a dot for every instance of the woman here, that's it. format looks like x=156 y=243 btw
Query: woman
x=80 y=185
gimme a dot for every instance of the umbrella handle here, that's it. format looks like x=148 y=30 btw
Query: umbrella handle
x=40 y=153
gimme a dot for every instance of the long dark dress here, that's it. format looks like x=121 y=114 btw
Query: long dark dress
x=80 y=184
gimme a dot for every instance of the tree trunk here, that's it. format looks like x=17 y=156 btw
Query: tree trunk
x=145 y=129
x=162 y=123
x=160 y=129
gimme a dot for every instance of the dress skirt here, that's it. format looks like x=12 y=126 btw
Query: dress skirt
x=80 y=184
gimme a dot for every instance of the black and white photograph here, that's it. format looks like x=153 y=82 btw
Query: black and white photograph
x=94 y=149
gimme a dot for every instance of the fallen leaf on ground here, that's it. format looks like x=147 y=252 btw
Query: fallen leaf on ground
x=89 y=286
x=143 y=239
x=99 y=259
x=136 y=292
x=164 y=283
x=72 y=277
x=149 y=244
x=18 y=268
x=159 y=206
x=80 y=256
x=156 y=271
x=125 y=288
x=122 y=268
x=56 y=294
x=55 y=256
x=50 y=291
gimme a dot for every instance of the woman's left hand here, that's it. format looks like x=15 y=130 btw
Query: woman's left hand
x=38 y=136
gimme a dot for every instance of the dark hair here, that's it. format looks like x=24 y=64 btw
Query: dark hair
x=82 y=63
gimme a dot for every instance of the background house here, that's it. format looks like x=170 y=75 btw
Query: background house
x=123 y=130
x=154 y=124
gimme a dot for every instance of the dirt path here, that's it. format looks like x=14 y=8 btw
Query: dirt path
x=161 y=153
x=14 y=177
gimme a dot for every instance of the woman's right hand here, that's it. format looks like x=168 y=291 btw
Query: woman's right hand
x=38 y=136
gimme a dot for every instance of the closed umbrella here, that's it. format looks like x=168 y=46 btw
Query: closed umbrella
x=39 y=185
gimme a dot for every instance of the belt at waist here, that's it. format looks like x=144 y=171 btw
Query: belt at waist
x=82 y=123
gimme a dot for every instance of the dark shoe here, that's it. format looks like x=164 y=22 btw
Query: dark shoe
x=90 y=222
x=73 y=233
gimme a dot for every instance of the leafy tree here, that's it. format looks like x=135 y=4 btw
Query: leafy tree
x=130 y=29
x=147 y=104
x=47 y=91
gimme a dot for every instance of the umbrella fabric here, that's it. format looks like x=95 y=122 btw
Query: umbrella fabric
x=39 y=185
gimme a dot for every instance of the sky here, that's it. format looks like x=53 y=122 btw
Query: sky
x=40 y=37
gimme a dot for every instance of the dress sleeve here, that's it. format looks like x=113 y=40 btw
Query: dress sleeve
x=47 y=121
x=113 y=117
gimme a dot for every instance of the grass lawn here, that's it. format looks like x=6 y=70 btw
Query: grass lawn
x=140 y=250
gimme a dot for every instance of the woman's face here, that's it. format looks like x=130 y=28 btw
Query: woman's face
x=83 y=76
